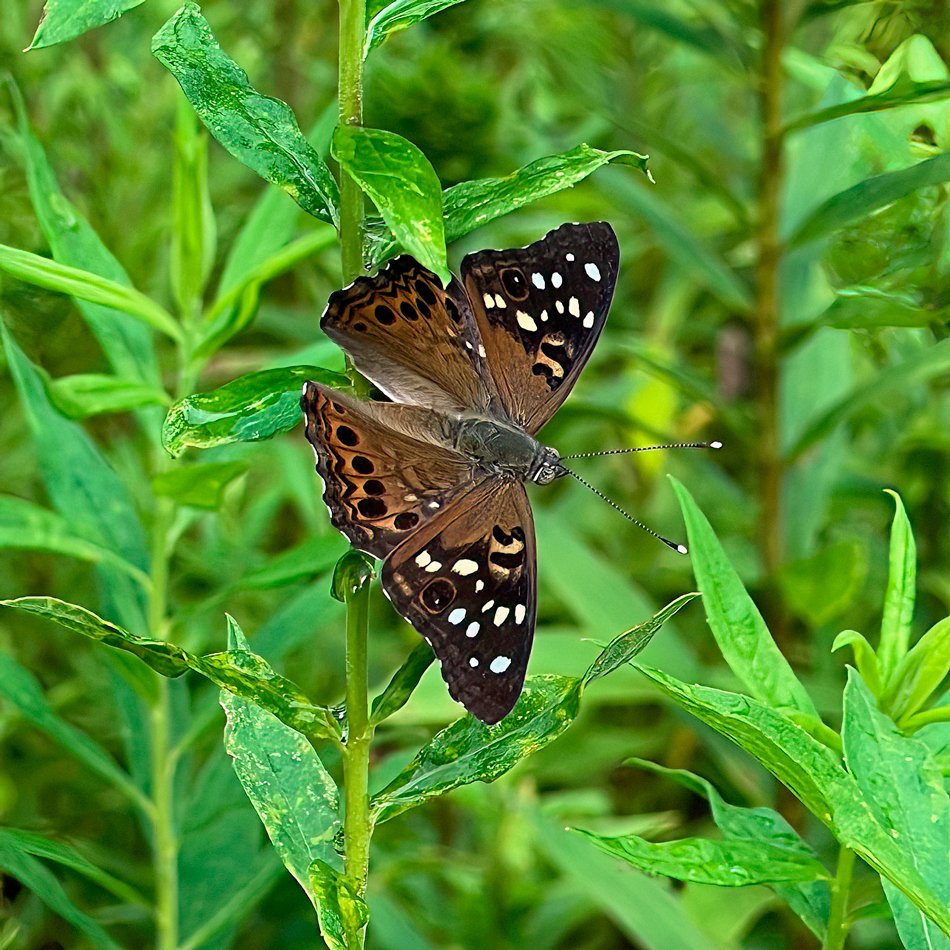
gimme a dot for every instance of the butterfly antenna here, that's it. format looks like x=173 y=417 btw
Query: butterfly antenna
x=647 y=448
x=679 y=548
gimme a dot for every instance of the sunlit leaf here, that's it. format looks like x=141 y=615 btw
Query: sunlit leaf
x=400 y=15
x=258 y=130
x=294 y=795
x=864 y=657
x=734 y=619
x=343 y=914
x=201 y=485
x=311 y=558
x=868 y=196
x=469 y=751
x=248 y=409
x=63 y=279
x=91 y=394
x=906 y=792
x=920 y=673
x=402 y=184
x=66 y=19
x=901 y=592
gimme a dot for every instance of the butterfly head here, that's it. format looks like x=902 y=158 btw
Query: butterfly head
x=548 y=467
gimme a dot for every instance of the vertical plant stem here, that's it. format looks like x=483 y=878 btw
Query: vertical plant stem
x=768 y=306
x=352 y=32
x=838 y=925
x=359 y=736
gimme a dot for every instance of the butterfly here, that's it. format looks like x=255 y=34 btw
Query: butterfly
x=433 y=482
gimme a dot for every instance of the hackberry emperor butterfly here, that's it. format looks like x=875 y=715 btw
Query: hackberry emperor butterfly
x=433 y=482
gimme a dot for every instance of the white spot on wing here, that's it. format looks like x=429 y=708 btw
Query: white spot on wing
x=520 y=611
x=488 y=606
x=481 y=351
x=559 y=305
x=472 y=629
x=457 y=615
x=538 y=281
x=465 y=566
x=473 y=662
x=500 y=302
x=489 y=301
x=526 y=322
x=569 y=256
x=593 y=271
x=589 y=319
x=501 y=615
x=500 y=664
x=433 y=567
x=479 y=586
x=424 y=558
x=544 y=314
x=556 y=280
x=574 y=307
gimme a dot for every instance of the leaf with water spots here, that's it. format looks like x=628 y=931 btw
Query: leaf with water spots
x=342 y=913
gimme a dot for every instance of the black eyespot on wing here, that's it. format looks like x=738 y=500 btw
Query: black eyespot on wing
x=384 y=315
x=425 y=292
x=373 y=486
x=371 y=507
x=512 y=279
x=438 y=595
x=408 y=311
x=406 y=520
x=362 y=465
x=347 y=436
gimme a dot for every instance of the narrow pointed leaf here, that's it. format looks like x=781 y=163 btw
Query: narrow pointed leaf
x=91 y=394
x=201 y=485
x=628 y=645
x=921 y=673
x=400 y=15
x=402 y=184
x=84 y=285
x=906 y=792
x=469 y=751
x=66 y=19
x=258 y=130
x=248 y=409
x=404 y=681
x=900 y=594
x=342 y=913
x=864 y=657
x=734 y=619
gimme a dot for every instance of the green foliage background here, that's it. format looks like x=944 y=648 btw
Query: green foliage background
x=824 y=392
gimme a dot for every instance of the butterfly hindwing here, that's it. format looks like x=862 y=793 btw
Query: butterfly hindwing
x=384 y=474
x=417 y=342
x=467 y=582
x=540 y=310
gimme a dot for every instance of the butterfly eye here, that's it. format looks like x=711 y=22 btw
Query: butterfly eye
x=512 y=279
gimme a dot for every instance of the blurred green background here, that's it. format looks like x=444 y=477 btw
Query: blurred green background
x=846 y=400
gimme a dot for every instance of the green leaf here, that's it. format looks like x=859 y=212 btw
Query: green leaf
x=352 y=573
x=400 y=15
x=920 y=673
x=630 y=644
x=91 y=394
x=84 y=285
x=23 y=692
x=26 y=526
x=305 y=561
x=34 y=876
x=729 y=863
x=404 y=681
x=864 y=657
x=28 y=842
x=127 y=344
x=901 y=593
x=905 y=91
x=931 y=362
x=66 y=19
x=257 y=130
x=735 y=621
x=201 y=485
x=402 y=184
x=868 y=196
x=469 y=751
x=810 y=901
x=294 y=795
x=244 y=674
x=906 y=792
x=343 y=914
x=812 y=772
x=248 y=409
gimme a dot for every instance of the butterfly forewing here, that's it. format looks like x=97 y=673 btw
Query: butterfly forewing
x=467 y=582
x=384 y=475
x=417 y=342
x=540 y=310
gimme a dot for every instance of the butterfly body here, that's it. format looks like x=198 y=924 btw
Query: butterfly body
x=433 y=482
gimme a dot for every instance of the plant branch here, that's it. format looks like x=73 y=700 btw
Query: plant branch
x=838 y=924
x=352 y=32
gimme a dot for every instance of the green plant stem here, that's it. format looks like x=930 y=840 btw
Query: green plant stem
x=838 y=924
x=359 y=736
x=768 y=307
x=352 y=33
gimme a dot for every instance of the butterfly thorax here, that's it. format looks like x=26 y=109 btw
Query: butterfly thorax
x=506 y=449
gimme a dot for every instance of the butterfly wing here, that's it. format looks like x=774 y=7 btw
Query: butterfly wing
x=417 y=342
x=384 y=471
x=540 y=310
x=467 y=581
